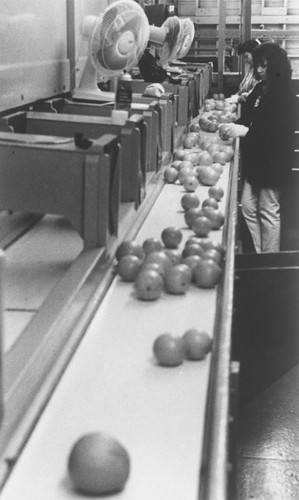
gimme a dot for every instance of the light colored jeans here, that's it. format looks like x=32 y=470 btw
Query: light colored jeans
x=261 y=211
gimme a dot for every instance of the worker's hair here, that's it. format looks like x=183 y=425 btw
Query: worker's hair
x=279 y=71
x=248 y=46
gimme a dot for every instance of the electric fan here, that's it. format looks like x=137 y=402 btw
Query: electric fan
x=169 y=38
x=117 y=39
x=188 y=36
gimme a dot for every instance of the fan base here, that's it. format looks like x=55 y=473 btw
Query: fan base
x=93 y=95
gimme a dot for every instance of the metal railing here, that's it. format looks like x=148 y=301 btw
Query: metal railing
x=215 y=465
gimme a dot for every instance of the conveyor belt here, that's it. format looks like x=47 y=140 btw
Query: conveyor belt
x=52 y=288
x=112 y=384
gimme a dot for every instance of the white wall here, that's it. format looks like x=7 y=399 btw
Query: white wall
x=42 y=52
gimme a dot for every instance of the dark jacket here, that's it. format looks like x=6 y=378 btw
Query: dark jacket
x=268 y=147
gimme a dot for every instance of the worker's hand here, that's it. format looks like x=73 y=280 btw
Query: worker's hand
x=154 y=90
x=231 y=130
x=243 y=97
x=233 y=99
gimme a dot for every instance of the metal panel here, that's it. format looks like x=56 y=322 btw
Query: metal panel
x=42 y=174
x=131 y=137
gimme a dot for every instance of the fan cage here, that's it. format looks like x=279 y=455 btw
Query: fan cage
x=173 y=40
x=188 y=37
x=119 y=18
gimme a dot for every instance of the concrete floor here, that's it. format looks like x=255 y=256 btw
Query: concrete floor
x=268 y=450
x=266 y=342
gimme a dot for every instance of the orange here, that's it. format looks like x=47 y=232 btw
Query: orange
x=98 y=464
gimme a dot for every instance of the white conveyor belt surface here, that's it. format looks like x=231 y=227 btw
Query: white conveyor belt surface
x=114 y=385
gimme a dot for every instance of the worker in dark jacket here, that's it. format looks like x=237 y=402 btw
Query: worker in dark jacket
x=267 y=129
